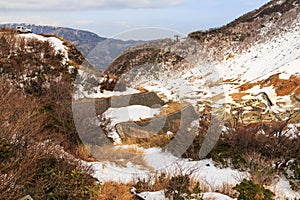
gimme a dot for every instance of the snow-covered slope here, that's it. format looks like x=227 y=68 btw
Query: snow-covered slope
x=56 y=43
x=224 y=65
x=239 y=76
x=280 y=56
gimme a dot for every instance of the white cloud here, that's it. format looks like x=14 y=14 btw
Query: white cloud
x=39 y=20
x=26 y=5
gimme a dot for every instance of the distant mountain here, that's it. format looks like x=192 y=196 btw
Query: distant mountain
x=99 y=51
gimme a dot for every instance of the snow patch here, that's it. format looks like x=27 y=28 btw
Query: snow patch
x=110 y=172
x=130 y=113
x=216 y=196
x=283 y=190
x=159 y=195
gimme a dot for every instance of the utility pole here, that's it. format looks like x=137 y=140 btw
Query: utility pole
x=177 y=37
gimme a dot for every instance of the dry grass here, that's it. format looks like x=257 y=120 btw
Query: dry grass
x=247 y=86
x=204 y=186
x=238 y=95
x=297 y=90
x=85 y=152
x=153 y=182
x=141 y=89
x=172 y=107
x=227 y=189
x=157 y=182
x=260 y=168
x=158 y=140
x=121 y=156
x=115 y=191
x=296 y=118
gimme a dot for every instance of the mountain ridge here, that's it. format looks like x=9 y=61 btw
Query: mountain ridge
x=99 y=51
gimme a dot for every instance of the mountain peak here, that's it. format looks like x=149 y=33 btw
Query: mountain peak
x=272 y=8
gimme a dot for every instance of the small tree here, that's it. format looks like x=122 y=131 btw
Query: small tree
x=178 y=186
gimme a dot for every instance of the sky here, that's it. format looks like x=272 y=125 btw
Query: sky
x=112 y=18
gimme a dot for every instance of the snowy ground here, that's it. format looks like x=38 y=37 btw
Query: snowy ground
x=161 y=162
x=204 y=171
x=282 y=190
x=280 y=56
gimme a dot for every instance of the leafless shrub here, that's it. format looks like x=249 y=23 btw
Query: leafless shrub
x=260 y=168
x=36 y=124
x=28 y=153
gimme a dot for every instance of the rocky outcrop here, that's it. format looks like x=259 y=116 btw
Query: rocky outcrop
x=176 y=126
x=177 y=122
x=149 y=99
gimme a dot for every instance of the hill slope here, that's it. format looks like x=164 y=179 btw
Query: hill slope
x=99 y=51
x=259 y=51
x=39 y=145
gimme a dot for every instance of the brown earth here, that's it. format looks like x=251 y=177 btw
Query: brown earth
x=282 y=87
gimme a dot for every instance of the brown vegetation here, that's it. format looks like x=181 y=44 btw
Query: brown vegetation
x=238 y=95
x=113 y=191
x=34 y=67
x=157 y=140
x=36 y=124
x=261 y=149
x=28 y=153
x=264 y=149
x=172 y=107
x=121 y=156
x=73 y=53
x=140 y=56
